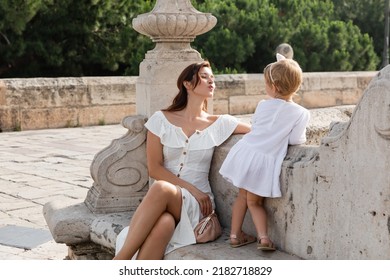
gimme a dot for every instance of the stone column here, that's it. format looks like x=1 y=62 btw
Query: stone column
x=172 y=25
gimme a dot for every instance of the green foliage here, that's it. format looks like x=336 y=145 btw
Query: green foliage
x=95 y=37
x=248 y=32
x=368 y=15
x=15 y=14
x=239 y=39
x=71 y=38
x=323 y=45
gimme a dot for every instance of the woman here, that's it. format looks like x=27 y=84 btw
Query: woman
x=180 y=144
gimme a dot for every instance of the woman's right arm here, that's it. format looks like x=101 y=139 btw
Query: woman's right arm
x=242 y=128
x=157 y=171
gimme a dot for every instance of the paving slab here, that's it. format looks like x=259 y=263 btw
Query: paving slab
x=23 y=237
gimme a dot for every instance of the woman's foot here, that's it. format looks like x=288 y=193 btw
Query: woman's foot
x=241 y=240
x=265 y=244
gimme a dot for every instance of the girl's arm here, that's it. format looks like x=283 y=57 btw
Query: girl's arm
x=298 y=133
x=157 y=170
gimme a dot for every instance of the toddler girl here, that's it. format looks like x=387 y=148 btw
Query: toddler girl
x=254 y=163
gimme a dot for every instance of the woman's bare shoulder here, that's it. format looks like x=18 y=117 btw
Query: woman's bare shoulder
x=213 y=118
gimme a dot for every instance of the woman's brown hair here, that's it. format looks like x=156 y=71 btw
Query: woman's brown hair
x=189 y=74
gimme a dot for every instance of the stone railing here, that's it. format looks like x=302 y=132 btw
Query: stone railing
x=335 y=202
x=69 y=102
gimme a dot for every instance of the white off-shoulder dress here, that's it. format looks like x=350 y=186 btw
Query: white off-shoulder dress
x=188 y=158
x=254 y=162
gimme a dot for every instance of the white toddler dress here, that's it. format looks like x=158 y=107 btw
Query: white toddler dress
x=254 y=162
x=189 y=158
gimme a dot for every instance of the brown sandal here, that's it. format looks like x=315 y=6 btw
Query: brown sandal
x=244 y=239
x=269 y=246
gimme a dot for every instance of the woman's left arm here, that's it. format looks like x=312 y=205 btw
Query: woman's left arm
x=242 y=128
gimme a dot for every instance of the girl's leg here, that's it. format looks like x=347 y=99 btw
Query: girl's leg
x=155 y=244
x=237 y=236
x=258 y=213
x=259 y=217
x=162 y=197
x=238 y=212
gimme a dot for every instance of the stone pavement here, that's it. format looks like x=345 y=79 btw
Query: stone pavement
x=38 y=166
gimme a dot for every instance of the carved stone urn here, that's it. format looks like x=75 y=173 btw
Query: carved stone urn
x=174 y=21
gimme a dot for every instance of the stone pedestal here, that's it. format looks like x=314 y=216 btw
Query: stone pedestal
x=172 y=25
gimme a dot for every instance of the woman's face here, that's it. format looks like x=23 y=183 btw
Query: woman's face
x=206 y=85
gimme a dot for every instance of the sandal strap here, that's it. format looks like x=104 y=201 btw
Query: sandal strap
x=264 y=237
x=241 y=238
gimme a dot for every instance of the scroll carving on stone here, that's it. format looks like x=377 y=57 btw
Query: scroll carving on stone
x=384 y=133
x=120 y=172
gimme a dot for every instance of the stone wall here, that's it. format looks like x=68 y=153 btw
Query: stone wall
x=65 y=102
x=239 y=94
x=69 y=102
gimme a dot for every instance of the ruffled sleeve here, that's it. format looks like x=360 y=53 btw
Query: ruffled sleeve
x=226 y=126
x=216 y=134
x=155 y=124
x=169 y=134
x=173 y=136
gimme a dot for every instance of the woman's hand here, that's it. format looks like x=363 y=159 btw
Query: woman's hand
x=204 y=201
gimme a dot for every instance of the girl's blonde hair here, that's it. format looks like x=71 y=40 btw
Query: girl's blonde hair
x=285 y=75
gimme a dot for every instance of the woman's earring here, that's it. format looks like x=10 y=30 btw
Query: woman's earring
x=187 y=85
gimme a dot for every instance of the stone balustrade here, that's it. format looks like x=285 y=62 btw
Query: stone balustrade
x=41 y=103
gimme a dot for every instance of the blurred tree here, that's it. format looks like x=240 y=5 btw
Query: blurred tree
x=245 y=35
x=368 y=15
x=14 y=16
x=71 y=38
x=94 y=37
x=323 y=45
x=248 y=31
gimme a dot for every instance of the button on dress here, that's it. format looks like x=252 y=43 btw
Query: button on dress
x=254 y=162
x=188 y=158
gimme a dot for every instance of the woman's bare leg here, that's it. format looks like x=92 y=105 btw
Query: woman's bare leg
x=162 y=197
x=158 y=239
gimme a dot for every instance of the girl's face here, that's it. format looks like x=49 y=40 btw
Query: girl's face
x=205 y=87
